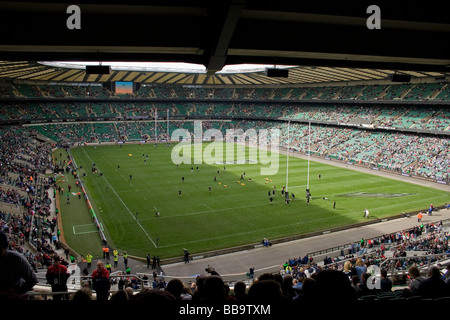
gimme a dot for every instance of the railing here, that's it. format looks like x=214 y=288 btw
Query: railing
x=79 y=282
x=427 y=257
x=388 y=263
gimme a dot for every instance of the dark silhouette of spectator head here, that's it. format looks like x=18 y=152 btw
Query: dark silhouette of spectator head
x=265 y=291
x=239 y=291
x=120 y=296
x=307 y=293
x=82 y=295
x=199 y=288
x=433 y=286
x=266 y=276
x=214 y=289
x=3 y=241
x=287 y=287
x=279 y=278
x=414 y=272
x=433 y=272
x=309 y=286
x=175 y=287
x=154 y=296
x=334 y=285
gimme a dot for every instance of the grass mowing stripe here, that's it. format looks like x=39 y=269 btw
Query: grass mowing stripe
x=208 y=211
x=276 y=227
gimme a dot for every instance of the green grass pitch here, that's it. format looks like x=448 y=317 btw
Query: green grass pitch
x=228 y=216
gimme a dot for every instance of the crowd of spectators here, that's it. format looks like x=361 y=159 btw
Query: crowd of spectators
x=30 y=229
x=413 y=117
x=273 y=288
x=359 y=92
x=348 y=278
x=412 y=154
x=408 y=153
x=411 y=252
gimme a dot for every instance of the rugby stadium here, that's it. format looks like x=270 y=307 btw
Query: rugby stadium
x=269 y=146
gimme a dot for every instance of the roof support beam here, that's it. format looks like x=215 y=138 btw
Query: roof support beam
x=218 y=54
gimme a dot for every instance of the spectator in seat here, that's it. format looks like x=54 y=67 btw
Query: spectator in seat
x=16 y=275
x=175 y=287
x=360 y=269
x=355 y=284
x=154 y=297
x=239 y=291
x=433 y=286
x=307 y=293
x=215 y=290
x=415 y=280
x=82 y=295
x=265 y=291
x=333 y=285
x=364 y=290
x=348 y=269
x=385 y=282
x=288 y=287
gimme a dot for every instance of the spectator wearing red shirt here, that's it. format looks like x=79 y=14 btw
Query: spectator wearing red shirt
x=57 y=275
x=100 y=282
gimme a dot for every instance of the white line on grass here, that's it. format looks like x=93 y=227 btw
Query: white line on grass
x=128 y=209
x=83 y=232
x=208 y=207
x=282 y=226
x=209 y=211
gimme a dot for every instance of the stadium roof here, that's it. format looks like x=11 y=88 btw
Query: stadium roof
x=327 y=41
x=26 y=70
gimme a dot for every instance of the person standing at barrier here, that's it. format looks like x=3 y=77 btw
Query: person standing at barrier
x=57 y=276
x=108 y=266
x=100 y=282
x=125 y=258
x=107 y=252
x=89 y=258
x=116 y=257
